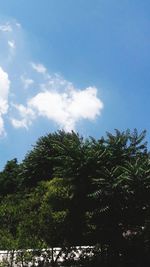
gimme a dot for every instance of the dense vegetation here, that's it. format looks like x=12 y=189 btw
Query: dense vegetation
x=70 y=191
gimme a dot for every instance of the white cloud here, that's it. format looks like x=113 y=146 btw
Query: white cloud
x=6 y=27
x=4 y=92
x=26 y=116
x=69 y=107
x=64 y=108
x=39 y=68
x=27 y=82
x=85 y=104
x=12 y=44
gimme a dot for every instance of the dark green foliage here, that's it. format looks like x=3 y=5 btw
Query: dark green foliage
x=9 y=178
x=71 y=191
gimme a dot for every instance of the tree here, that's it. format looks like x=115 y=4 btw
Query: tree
x=121 y=195
x=75 y=191
x=9 y=178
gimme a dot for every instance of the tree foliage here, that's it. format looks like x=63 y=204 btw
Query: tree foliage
x=70 y=191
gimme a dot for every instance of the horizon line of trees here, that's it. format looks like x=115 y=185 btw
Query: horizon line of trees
x=70 y=191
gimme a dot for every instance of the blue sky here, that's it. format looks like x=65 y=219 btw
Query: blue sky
x=64 y=64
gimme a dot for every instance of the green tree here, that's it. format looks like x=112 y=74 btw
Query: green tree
x=9 y=178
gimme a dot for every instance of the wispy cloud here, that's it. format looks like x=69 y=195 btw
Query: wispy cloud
x=11 y=44
x=27 y=82
x=38 y=67
x=26 y=116
x=6 y=27
x=18 y=25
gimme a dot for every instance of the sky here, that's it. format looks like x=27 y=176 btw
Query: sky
x=75 y=65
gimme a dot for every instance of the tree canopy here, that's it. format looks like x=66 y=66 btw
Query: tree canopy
x=70 y=191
